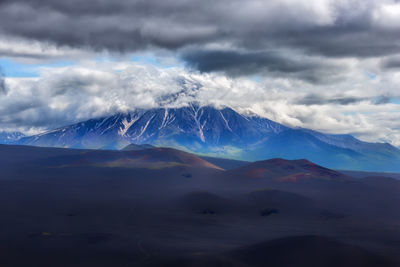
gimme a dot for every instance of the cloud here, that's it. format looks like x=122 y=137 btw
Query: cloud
x=314 y=99
x=382 y=100
x=3 y=88
x=328 y=65
x=237 y=63
x=35 y=52
x=117 y=26
x=66 y=95
x=391 y=63
x=327 y=28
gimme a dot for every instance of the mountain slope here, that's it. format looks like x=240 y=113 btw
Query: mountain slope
x=133 y=147
x=224 y=133
x=287 y=171
x=194 y=128
x=333 y=151
x=10 y=137
x=154 y=158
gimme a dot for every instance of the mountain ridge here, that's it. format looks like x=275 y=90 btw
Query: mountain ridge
x=221 y=132
x=7 y=137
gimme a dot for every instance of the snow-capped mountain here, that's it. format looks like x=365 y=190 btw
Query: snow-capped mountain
x=193 y=127
x=221 y=132
x=10 y=137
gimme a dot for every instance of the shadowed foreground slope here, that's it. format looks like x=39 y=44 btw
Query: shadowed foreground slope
x=163 y=207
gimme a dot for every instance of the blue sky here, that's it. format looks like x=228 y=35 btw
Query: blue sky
x=14 y=68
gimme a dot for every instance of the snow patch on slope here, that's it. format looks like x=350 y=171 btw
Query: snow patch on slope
x=126 y=125
x=196 y=116
x=144 y=128
x=226 y=122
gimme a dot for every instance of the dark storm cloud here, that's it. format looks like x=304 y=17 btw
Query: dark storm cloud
x=237 y=63
x=113 y=25
x=391 y=63
x=337 y=43
x=124 y=25
x=22 y=105
x=3 y=88
x=13 y=54
x=325 y=28
x=314 y=99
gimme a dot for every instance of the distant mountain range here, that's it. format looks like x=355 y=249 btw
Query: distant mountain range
x=220 y=132
x=10 y=137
